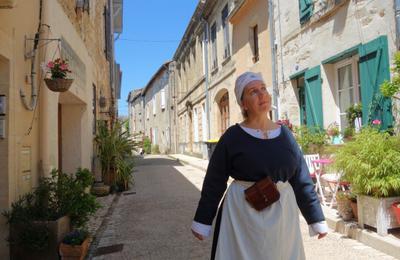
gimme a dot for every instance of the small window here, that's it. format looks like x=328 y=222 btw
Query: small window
x=255 y=50
x=214 y=46
x=154 y=105
x=225 y=28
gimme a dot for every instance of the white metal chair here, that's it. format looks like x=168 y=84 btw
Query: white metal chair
x=334 y=183
x=315 y=173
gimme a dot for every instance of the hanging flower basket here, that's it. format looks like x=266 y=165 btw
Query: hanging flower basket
x=58 y=70
x=58 y=85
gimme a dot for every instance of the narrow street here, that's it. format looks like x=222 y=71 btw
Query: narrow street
x=152 y=220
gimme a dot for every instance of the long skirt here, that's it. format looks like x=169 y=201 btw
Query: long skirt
x=248 y=234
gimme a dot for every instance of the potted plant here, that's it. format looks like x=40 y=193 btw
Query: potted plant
x=58 y=80
x=371 y=163
x=75 y=245
x=333 y=132
x=40 y=219
x=396 y=210
x=344 y=205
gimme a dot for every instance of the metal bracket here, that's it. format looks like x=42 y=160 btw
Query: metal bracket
x=28 y=54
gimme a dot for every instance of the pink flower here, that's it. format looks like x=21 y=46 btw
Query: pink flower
x=64 y=66
x=376 y=122
x=50 y=65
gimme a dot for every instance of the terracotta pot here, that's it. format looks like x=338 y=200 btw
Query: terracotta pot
x=71 y=252
x=58 y=85
x=354 y=208
x=344 y=208
x=396 y=210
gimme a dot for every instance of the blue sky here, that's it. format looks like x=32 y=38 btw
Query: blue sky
x=152 y=30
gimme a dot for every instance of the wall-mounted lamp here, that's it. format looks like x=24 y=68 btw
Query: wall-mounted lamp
x=3 y=105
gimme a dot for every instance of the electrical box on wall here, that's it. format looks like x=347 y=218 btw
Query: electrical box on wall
x=2 y=128
x=3 y=105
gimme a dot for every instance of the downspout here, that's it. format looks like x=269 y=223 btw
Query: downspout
x=397 y=15
x=273 y=59
x=34 y=94
x=207 y=77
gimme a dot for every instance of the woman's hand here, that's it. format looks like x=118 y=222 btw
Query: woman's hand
x=322 y=235
x=197 y=235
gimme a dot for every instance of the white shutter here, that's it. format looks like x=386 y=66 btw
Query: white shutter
x=163 y=98
x=196 y=126
x=204 y=122
x=154 y=105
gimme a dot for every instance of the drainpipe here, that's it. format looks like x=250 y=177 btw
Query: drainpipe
x=273 y=59
x=45 y=104
x=33 y=100
x=397 y=15
x=207 y=77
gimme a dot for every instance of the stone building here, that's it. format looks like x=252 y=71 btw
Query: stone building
x=41 y=129
x=332 y=55
x=135 y=112
x=222 y=40
x=157 y=114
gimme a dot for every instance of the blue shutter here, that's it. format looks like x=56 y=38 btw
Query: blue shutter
x=313 y=93
x=374 y=69
x=305 y=10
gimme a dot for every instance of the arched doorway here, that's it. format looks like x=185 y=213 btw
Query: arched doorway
x=223 y=105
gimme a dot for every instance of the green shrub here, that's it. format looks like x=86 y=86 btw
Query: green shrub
x=147 y=145
x=311 y=140
x=56 y=196
x=371 y=163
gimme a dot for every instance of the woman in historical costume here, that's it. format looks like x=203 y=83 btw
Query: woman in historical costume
x=248 y=152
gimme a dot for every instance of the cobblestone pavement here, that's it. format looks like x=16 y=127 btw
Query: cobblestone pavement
x=152 y=220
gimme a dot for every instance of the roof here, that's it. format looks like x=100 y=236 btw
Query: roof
x=163 y=67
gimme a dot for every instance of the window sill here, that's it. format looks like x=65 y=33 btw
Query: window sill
x=214 y=71
x=226 y=60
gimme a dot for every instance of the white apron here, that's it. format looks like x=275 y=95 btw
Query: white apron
x=273 y=233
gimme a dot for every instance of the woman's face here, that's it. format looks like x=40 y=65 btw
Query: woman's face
x=256 y=99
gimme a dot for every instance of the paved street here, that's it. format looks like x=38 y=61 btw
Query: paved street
x=152 y=220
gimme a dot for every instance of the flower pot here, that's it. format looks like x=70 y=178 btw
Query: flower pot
x=354 y=209
x=72 y=252
x=344 y=208
x=396 y=210
x=58 y=85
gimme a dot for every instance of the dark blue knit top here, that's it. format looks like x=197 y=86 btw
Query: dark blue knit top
x=247 y=158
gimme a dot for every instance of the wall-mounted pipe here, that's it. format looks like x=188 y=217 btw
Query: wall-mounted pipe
x=33 y=101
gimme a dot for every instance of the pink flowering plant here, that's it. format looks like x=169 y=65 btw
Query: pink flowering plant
x=58 y=68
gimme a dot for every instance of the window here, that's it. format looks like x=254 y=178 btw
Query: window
x=163 y=97
x=254 y=31
x=204 y=122
x=225 y=28
x=195 y=125
x=107 y=33
x=203 y=50
x=224 y=112
x=214 y=46
x=305 y=10
x=154 y=105
x=348 y=92
x=94 y=103
x=147 y=112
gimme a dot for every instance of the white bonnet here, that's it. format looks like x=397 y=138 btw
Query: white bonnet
x=242 y=81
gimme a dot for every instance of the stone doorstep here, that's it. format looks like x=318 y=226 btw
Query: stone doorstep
x=387 y=244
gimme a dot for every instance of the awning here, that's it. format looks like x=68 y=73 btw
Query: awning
x=298 y=74
x=342 y=55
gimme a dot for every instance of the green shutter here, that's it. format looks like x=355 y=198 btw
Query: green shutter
x=312 y=80
x=305 y=10
x=374 y=69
